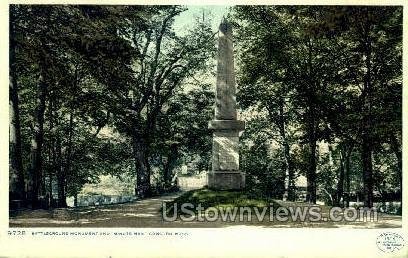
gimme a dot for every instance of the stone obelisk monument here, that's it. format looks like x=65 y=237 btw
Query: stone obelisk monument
x=225 y=174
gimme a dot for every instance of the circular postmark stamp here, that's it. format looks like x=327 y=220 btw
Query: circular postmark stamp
x=389 y=242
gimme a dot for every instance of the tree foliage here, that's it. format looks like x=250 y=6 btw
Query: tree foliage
x=325 y=77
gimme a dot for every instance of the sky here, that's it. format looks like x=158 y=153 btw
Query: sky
x=186 y=18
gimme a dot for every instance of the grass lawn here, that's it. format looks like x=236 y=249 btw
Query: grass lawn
x=220 y=200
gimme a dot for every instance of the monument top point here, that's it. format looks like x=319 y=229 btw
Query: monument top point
x=225 y=26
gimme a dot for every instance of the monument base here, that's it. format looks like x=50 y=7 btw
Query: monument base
x=226 y=180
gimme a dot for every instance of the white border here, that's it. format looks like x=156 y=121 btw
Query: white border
x=239 y=241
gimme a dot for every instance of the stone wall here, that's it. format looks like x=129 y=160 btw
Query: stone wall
x=187 y=183
x=94 y=200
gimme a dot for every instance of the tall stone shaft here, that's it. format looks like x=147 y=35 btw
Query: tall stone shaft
x=225 y=174
x=225 y=108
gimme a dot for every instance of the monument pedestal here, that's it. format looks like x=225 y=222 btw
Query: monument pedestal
x=226 y=180
x=225 y=174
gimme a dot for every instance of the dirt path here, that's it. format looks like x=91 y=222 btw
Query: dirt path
x=140 y=213
x=146 y=213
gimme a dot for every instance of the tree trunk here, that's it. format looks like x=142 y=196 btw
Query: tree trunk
x=347 y=177
x=311 y=179
x=340 y=183
x=366 y=157
x=60 y=175
x=167 y=172
x=35 y=171
x=311 y=172
x=140 y=153
x=169 y=166
x=366 y=148
x=311 y=127
x=16 y=176
x=50 y=196
x=289 y=193
x=52 y=155
x=67 y=167
x=49 y=170
x=76 y=200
